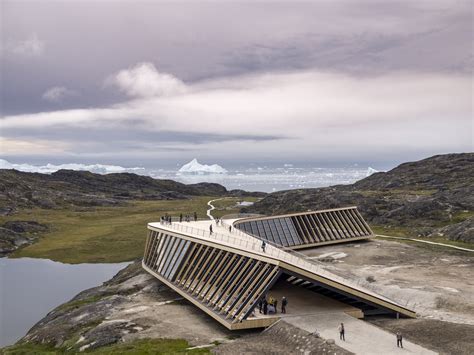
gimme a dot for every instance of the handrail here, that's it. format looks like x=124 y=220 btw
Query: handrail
x=250 y=242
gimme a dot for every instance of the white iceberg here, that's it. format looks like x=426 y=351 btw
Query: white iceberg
x=51 y=168
x=194 y=167
x=371 y=171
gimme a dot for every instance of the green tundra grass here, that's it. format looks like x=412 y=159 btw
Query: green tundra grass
x=108 y=234
x=102 y=234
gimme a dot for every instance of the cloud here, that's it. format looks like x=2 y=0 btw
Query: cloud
x=57 y=94
x=143 y=80
x=30 y=47
x=306 y=114
x=31 y=146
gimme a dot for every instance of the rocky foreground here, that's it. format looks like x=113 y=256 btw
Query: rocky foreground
x=432 y=197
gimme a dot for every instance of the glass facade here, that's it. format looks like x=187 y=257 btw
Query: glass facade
x=308 y=228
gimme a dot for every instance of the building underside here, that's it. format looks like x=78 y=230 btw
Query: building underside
x=226 y=273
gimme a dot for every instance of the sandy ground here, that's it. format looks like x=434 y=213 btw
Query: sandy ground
x=437 y=283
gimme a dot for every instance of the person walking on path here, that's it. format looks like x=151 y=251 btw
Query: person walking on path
x=180 y=217
x=260 y=305
x=230 y=229
x=210 y=228
x=342 y=332
x=284 y=303
x=399 y=340
x=195 y=217
x=265 y=307
x=263 y=245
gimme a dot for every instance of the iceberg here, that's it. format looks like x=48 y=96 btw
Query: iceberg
x=194 y=167
x=371 y=171
x=51 y=168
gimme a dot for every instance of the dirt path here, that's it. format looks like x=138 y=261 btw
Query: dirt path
x=426 y=242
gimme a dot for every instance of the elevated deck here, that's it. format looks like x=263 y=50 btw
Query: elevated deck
x=225 y=273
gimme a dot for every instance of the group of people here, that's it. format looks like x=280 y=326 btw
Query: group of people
x=219 y=222
x=187 y=218
x=271 y=305
x=167 y=219
x=342 y=335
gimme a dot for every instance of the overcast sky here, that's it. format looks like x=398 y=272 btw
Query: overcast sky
x=140 y=83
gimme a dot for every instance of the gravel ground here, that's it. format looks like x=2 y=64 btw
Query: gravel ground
x=443 y=337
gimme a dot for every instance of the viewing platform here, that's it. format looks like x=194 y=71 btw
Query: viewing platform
x=225 y=273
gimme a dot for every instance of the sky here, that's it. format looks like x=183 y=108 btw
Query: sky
x=142 y=83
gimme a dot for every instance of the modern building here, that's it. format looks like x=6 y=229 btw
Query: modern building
x=226 y=273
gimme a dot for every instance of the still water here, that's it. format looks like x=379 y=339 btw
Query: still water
x=30 y=288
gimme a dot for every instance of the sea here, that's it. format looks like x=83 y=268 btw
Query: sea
x=270 y=179
x=249 y=176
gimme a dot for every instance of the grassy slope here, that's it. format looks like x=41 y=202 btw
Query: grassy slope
x=101 y=235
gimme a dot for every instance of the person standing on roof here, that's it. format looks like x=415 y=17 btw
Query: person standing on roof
x=263 y=245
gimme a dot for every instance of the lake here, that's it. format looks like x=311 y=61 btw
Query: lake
x=30 y=288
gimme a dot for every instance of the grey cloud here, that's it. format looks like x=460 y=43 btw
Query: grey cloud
x=131 y=134
x=195 y=41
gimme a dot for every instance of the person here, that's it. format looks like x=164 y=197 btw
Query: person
x=260 y=305
x=210 y=228
x=265 y=307
x=275 y=304
x=180 y=217
x=263 y=246
x=342 y=332
x=195 y=217
x=399 y=340
x=230 y=229
x=284 y=303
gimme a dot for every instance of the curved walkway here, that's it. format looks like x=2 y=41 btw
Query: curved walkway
x=211 y=207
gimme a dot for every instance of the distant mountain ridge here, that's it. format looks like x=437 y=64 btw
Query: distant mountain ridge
x=431 y=196
x=83 y=188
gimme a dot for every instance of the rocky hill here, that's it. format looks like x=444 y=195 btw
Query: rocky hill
x=82 y=188
x=434 y=196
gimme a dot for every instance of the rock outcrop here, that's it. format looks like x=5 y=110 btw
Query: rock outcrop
x=14 y=234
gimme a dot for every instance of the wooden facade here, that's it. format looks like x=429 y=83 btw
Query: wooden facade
x=226 y=275
x=308 y=229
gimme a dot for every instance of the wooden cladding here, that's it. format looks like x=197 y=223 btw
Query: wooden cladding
x=310 y=228
x=223 y=282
